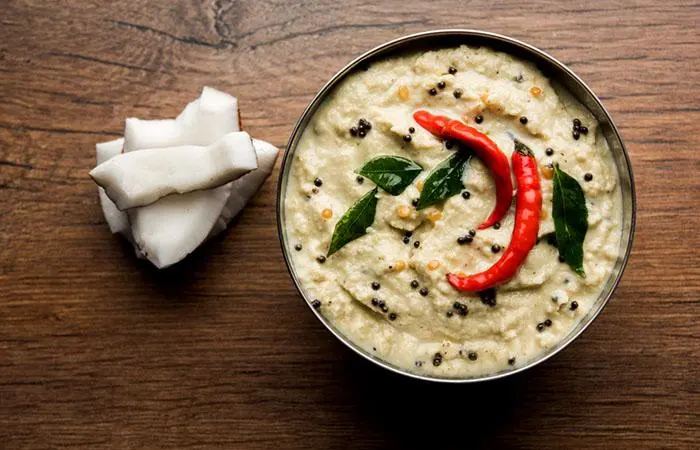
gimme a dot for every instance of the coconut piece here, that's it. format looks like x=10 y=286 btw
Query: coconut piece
x=202 y=122
x=173 y=227
x=117 y=220
x=248 y=185
x=141 y=178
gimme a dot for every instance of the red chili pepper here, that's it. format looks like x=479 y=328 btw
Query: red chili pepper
x=487 y=150
x=528 y=207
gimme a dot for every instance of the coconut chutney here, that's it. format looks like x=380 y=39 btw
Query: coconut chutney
x=386 y=291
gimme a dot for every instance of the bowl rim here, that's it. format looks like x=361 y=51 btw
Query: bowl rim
x=415 y=38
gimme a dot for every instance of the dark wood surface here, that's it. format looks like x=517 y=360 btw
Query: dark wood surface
x=99 y=350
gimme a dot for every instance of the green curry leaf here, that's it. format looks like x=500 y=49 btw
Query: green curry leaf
x=355 y=221
x=391 y=173
x=445 y=180
x=570 y=216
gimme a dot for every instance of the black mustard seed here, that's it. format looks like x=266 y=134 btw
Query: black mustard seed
x=424 y=292
x=318 y=182
x=457 y=93
x=297 y=247
x=549 y=151
x=411 y=130
x=548 y=323
x=392 y=316
x=588 y=177
x=479 y=118
x=415 y=284
x=407 y=138
x=316 y=304
x=473 y=356
x=376 y=285
x=416 y=244
x=523 y=120
x=573 y=306
x=466 y=195
x=321 y=259
x=441 y=85
x=452 y=70
x=432 y=91
x=360 y=179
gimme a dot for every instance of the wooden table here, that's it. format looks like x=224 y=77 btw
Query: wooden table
x=100 y=350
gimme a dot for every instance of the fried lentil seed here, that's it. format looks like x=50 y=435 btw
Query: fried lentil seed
x=314 y=190
x=424 y=291
x=415 y=284
x=316 y=304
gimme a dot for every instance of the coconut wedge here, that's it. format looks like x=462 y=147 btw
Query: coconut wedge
x=202 y=122
x=248 y=185
x=142 y=177
x=117 y=220
x=173 y=227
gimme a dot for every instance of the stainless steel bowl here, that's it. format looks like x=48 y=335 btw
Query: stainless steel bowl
x=553 y=69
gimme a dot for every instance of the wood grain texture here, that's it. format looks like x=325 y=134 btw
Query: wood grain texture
x=99 y=350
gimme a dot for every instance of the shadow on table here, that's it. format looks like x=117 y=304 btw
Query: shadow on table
x=411 y=413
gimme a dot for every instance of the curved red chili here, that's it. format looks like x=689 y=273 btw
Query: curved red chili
x=528 y=207
x=487 y=150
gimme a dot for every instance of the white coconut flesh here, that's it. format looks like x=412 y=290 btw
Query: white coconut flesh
x=158 y=228
x=174 y=226
x=142 y=177
x=171 y=228
x=117 y=220
x=248 y=185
